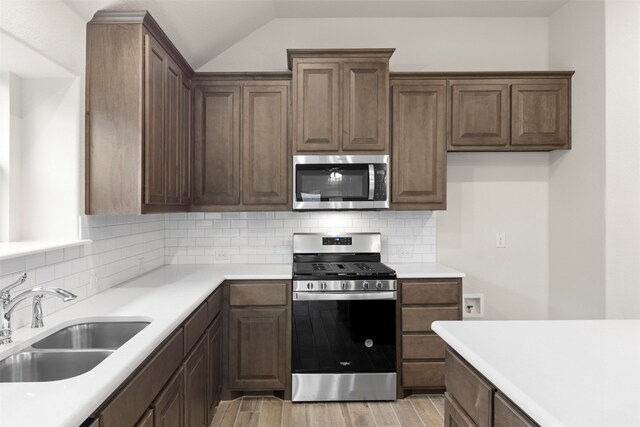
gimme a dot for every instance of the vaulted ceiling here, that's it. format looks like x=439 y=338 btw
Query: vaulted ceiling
x=203 y=29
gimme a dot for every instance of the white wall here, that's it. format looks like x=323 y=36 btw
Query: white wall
x=622 y=23
x=421 y=44
x=50 y=139
x=487 y=192
x=577 y=177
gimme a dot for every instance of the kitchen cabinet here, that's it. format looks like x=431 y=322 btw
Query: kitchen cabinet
x=340 y=100
x=259 y=343
x=196 y=368
x=419 y=155
x=214 y=386
x=136 y=117
x=241 y=146
x=169 y=406
x=145 y=421
x=471 y=400
x=421 y=353
x=180 y=382
x=510 y=112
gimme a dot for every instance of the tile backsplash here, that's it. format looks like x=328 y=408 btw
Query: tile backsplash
x=266 y=237
x=122 y=247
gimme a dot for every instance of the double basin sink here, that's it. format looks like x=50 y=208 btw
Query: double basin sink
x=69 y=352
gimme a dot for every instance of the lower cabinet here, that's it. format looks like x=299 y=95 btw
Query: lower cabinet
x=471 y=400
x=257 y=348
x=171 y=388
x=214 y=388
x=169 y=406
x=421 y=352
x=196 y=368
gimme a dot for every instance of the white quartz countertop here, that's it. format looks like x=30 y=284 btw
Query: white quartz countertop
x=561 y=373
x=165 y=297
x=430 y=270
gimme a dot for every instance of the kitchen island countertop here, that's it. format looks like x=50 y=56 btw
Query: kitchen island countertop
x=560 y=373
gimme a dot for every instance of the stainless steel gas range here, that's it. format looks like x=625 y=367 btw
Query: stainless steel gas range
x=344 y=319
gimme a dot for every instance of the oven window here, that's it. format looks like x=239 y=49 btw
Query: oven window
x=332 y=182
x=344 y=336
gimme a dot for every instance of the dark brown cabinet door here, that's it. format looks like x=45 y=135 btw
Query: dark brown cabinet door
x=185 y=143
x=155 y=115
x=214 y=336
x=265 y=145
x=196 y=367
x=540 y=114
x=316 y=114
x=172 y=133
x=146 y=420
x=506 y=414
x=168 y=408
x=257 y=348
x=454 y=415
x=216 y=156
x=365 y=120
x=480 y=115
x=418 y=146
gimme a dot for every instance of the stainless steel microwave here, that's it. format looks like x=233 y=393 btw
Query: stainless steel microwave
x=340 y=182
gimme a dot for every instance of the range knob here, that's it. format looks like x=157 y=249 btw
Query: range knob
x=379 y=285
x=365 y=285
x=323 y=286
x=310 y=285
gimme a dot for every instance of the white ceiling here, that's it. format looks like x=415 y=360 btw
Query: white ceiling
x=203 y=29
x=20 y=59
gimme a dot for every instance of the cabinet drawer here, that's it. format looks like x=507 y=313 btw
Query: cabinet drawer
x=454 y=416
x=423 y=374
x=422 y=347
x=194 y=327
x=509 y=415
x=469 y=389
x=134 y=399
x=258 y=294
x=431 y=292
x=419 y=319
x=214 y=304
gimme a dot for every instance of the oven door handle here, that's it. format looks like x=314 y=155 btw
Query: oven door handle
x=343 y=296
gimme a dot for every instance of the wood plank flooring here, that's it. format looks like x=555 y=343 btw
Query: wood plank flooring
x=415 y=411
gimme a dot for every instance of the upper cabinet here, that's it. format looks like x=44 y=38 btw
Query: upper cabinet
x=503 y=112
x=241 y=143
x=419 y=152
x=340 y=100
x=137 y=117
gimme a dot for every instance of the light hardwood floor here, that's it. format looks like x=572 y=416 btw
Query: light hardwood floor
x=416 y=411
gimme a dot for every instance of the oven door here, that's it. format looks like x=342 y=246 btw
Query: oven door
x=344 y=332
x=343 y=346
x=340 y=182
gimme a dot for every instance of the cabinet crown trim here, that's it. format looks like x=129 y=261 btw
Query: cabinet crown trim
x=408 y=75
x=145 y=18
x=345 y=53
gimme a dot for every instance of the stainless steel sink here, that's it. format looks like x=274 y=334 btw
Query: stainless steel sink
x=38 y=366
x=69 y=352
x=102 y=335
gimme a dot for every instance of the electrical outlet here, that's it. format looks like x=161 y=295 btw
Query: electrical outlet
x=221 y=255
x=501 y=240
x=406 y=252
x=94 y=282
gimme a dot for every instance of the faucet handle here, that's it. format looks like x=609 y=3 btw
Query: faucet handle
x=37 y=320
x=4 y=292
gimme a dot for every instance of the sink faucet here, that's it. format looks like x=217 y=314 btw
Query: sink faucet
x=7 y=304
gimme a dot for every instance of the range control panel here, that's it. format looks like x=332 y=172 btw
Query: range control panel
x=337 y=241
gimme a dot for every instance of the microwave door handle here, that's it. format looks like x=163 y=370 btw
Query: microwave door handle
x=372 y=181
